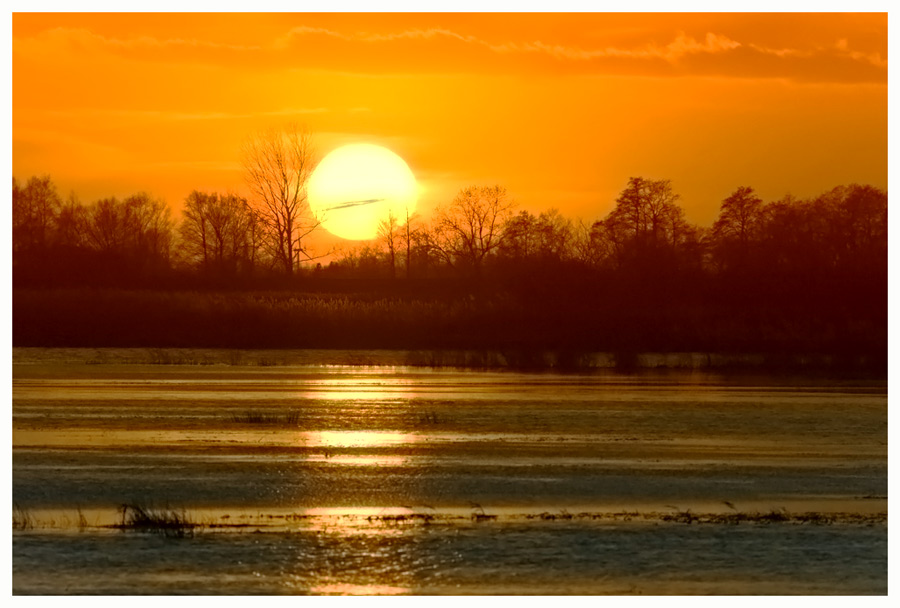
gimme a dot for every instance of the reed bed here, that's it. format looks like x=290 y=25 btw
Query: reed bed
x=465 y=330
x=22 y=519
x=165 y=521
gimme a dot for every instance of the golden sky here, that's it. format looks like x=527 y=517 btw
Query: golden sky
x=561 y=109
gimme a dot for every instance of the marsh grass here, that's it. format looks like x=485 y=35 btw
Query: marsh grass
x=443 y=328
x=172 y=523
x=478 y=514
x=289 y=419
x=165 y=521
x=396 y=520
x=22 y=519
x=773 y=516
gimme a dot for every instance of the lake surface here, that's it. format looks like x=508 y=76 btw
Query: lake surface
x=305 y=478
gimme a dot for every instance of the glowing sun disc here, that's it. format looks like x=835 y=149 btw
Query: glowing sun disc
x=356 y=186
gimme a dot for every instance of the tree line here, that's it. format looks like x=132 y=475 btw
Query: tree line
x=646 y=236
x=478 y=235
x=784 y=276
x=135 y=240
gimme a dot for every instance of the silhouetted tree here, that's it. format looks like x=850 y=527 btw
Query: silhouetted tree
x=647 y=211
x=646 y=230
x=471 y=227
x=788 y=241
x=389 y=234
x=217 y=232
x=71 y=224
x=150 y=228
x=362 y=261
x=737 y=228
x=424 y=255
x=136 y=231
x=545 y=237
x=278 y=164
x=843 y=229
x=35 y=209
x=106 y=225
x=407 y=238
x=740 y=216
x=587 y=246
x=855 y=225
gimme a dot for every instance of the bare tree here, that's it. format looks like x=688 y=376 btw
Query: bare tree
x=547 y=236
x=217 y=231
x=71 y=223
x=423 y=253
x=138 y=228
x=278 y=164
x=149 y=227
x=389 y=233
x=106 y=225
x=648 y=211
x=35 y=209
x=735 y=232
x=740 y=216
x=609 y=239
x=586 y=246
x=408 y=240
x=194 y=228
x=471 y=227
x=647 y=229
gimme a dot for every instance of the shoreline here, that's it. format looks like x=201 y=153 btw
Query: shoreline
x=262 y=519
x=563 y=360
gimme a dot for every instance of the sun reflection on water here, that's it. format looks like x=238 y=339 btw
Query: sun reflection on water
x=344 y=522
x=357 y=460
x=372 y=539
x=351 y=589
x=356 y=388
x=357 y=439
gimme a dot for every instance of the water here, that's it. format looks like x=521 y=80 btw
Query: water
x=313 y=479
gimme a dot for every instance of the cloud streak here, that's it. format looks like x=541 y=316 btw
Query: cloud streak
x=682 y=47
x=437 y=49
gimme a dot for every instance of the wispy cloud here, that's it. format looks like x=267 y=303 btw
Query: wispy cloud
x=681 y=46
x=841 y=48
x=413 y=34
x=678 y=54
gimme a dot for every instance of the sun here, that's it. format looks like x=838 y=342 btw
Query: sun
x=356 y=186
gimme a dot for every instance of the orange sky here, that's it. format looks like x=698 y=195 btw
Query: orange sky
x=561 y=109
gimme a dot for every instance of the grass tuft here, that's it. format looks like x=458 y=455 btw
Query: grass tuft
x=171 y=523
x=22 y=519
x=478 y=514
